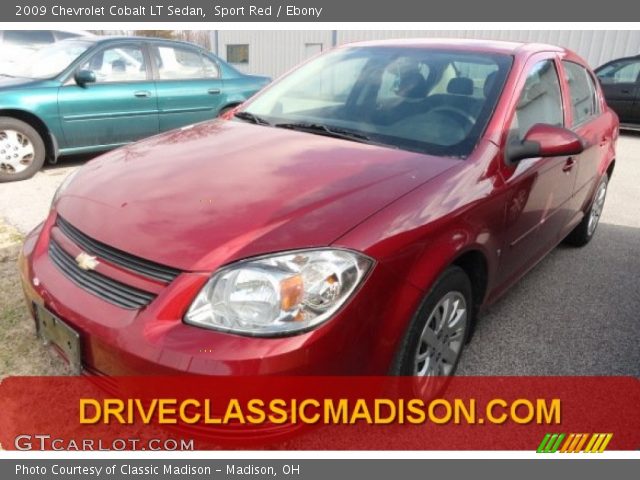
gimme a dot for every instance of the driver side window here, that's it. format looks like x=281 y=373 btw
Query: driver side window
x=123 y=63
x=540 y=101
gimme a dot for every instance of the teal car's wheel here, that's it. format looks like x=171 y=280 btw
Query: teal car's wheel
x=22 y=150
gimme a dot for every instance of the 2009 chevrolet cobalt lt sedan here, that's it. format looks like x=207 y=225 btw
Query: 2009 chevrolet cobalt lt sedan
x=353 y=218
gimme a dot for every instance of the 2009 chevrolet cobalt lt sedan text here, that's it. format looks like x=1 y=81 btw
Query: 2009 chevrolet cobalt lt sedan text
x=353 y=218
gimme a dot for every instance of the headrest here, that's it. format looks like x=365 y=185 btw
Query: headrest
x=119 y=66
x=489 y=83
x=460 y=86
x=412 y=85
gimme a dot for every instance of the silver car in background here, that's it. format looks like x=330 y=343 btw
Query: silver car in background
x=16 y=45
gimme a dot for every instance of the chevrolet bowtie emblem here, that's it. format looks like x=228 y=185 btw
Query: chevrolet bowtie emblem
x=86 y=261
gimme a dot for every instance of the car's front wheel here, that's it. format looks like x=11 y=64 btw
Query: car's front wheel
x=22 y=150
x=583 y=233
x=437 y=335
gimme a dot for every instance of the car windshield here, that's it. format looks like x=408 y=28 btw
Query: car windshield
x=51 y=60
x=425 y=100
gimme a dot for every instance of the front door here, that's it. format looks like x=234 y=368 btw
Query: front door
x=120 y=107
x=539 y=190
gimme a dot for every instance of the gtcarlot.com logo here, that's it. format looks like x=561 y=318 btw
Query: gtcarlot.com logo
x=574 y=443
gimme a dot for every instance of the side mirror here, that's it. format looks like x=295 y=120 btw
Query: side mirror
x=82 y=77
x=544 y=140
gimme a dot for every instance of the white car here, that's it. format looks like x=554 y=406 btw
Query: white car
x=16 y=45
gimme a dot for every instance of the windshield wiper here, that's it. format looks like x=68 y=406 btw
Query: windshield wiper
x=6 y=75
x=335 y=132
x=250 y=117
x=322 y=129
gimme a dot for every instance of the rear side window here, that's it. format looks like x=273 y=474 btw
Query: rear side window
x=28 y=37
x=177 y=63
x=584 y=101
x=211 y=69
x=540 y=100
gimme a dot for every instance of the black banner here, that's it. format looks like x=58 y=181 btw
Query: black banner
x=315 y=11
x=305 y=469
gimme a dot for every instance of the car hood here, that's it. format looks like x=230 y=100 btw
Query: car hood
x=205 y=195
x=261 y=78
x=7 y=83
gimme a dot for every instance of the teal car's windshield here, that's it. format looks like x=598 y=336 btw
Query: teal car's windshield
x=51 y=60
x=426 y=100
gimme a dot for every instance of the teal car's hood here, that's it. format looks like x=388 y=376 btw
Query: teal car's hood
x=8 y=83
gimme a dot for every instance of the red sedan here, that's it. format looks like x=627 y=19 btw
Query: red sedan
x=353 y=218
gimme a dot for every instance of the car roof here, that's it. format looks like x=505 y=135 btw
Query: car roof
x=108 y=38
x=98 y=39
x=490 y=46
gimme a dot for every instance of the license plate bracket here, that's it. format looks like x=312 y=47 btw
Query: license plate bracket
x=51 y=329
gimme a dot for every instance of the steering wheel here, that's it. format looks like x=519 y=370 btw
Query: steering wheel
x=464 y=119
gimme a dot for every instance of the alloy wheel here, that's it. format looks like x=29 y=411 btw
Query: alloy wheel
x=596 y=208
x=443 y=337
x=16 y=151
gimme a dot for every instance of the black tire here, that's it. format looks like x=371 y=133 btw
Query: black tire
x=453 y=280
x=582 y=234
x=36 y=160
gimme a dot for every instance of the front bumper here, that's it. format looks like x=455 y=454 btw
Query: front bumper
x=360 y=340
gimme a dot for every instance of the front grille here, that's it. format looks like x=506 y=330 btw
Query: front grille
x=106 y=288
x=122 y=259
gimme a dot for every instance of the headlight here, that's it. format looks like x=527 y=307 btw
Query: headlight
x=278 y=294
x=63 y=186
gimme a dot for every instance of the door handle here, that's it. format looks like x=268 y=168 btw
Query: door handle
x=568 y=164
x=624 y=90
x=142 y=94
x=213 y=91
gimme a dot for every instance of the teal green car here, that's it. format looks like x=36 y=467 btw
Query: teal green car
x=97 y=93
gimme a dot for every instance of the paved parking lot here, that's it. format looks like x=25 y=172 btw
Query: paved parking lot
x=25 y=204
x=576 y=313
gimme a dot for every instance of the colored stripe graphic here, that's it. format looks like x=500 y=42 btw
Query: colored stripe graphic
x=569 y=441
x=550 y=443
x=574 y=443
x=598 y=442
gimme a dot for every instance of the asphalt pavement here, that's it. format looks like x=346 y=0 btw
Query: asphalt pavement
x=576 y=313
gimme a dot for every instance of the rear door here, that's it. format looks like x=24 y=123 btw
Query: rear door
x=589 y=123
x=188 y=84
x=619 y=80
x=120 y=107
